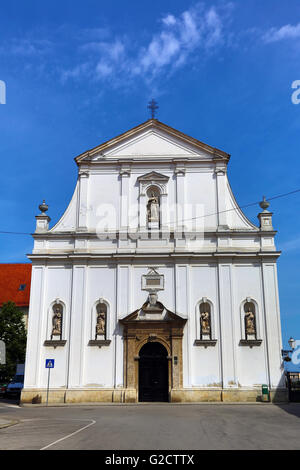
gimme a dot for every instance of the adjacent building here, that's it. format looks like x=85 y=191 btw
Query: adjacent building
x=15 y=279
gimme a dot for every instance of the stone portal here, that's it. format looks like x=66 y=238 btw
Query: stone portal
x=153 y=336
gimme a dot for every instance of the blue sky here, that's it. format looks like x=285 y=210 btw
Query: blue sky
x=79 y=73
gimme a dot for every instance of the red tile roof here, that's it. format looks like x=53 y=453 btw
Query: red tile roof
x=12 y=276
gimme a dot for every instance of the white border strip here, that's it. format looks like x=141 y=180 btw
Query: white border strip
x=69 y=435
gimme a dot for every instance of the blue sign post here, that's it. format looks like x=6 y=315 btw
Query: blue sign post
x=49 y=365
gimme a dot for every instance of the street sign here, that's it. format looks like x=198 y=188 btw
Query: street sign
x=49 y=364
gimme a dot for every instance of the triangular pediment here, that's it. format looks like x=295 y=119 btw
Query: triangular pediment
x=158 y=313
x=152 y=143
x=152 y=138
x=153 y=176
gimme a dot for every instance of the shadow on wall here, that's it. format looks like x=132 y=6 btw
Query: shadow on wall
x=280 y=396
x=36 y=400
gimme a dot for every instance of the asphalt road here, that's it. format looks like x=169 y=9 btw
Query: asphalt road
x=151 y=426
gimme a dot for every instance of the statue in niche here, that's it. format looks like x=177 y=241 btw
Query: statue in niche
x=250 y=322
x=101 y=320
x=57 y=320
x=205 y=320
x=153 y=208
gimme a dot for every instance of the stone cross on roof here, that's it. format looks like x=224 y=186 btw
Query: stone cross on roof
x=152 y=105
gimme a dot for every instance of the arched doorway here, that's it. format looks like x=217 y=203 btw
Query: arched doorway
x=153 y=372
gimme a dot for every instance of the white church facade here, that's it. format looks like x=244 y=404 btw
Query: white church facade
x=153 y=285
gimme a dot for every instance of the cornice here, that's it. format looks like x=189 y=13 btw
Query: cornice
x=234 y=255
x=146 y=159
x=207 y=233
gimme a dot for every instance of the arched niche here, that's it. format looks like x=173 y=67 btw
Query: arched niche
x=205 y=306
x=56 y=324
x=205 y=323
x=205 y=320
x=250 y=322
x=250 y=319
x=100 y=328
x=100 y=322
x=153 y=206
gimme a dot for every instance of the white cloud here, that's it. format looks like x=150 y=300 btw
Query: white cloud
x=111 y=49
x=112 y=58
x=215 y=27
x=169 y=20
x=285 y=32
x=76 y=73
x=180 y=39
x=159 y=53
x=193 y=30
x=104 y=69
x=115 y=50
x=26 y=47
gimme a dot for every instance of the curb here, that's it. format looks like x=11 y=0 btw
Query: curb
x=97 y=404
x=8 y=424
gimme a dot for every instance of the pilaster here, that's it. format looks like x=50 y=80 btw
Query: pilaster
x=82 y=201
x=226 y=325
x=125 y=196
x=76 y=333
x=221 y=177
x=180 y=197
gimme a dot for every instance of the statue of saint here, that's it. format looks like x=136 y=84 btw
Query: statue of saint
x=250 y=322
x=205 y=323
x=57 y=320
x=153 y=209
x=101 y=320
